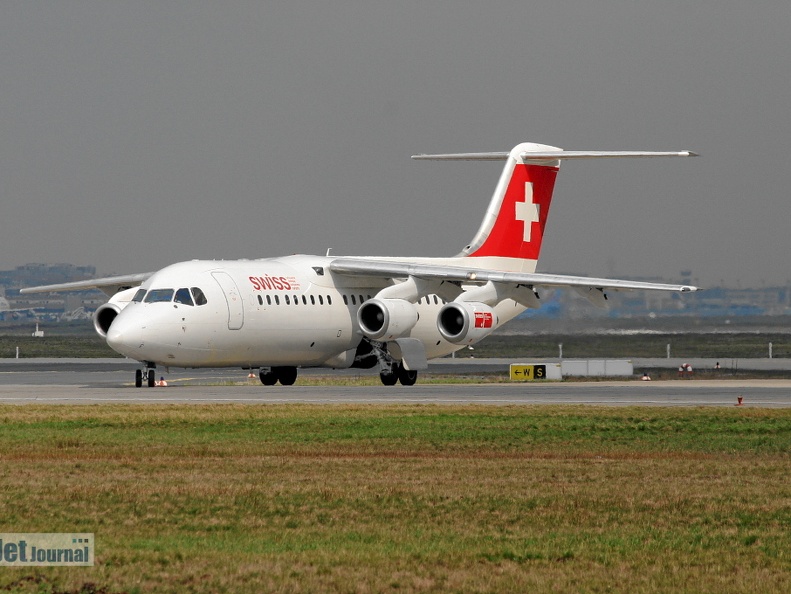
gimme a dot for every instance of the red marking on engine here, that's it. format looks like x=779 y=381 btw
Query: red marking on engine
x=483 y=319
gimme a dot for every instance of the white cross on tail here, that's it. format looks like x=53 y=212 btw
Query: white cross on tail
x=527 y=212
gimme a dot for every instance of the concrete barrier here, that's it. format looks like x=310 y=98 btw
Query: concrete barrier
x=597 y=368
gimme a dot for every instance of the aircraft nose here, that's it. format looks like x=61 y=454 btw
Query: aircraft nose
x=125 y=335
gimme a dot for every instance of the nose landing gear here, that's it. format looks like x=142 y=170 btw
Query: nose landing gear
x=149 y=374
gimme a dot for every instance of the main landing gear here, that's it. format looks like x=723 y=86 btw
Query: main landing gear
x=271 y=375
x=395 y=373
x=148 y=374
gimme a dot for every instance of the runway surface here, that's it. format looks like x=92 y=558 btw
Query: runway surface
x=110 y=381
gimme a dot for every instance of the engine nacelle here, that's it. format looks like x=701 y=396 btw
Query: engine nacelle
x=463 y=322
x=103 y=317
x=386 y=319
x=105 y=314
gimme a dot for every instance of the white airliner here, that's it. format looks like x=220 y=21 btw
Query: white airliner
x=280 y=314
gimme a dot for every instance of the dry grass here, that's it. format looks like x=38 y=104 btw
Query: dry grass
x=403 y=498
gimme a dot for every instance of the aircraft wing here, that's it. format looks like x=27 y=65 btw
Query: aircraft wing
x=383 y=268
x=108 y=285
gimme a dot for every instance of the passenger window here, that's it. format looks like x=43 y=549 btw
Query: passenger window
x=296 y=300
x=329 y=299
x=288 y=301
x=269 y=299
x=345 y=300
x=312 y=300
x=159 y=296
x=321 y=300
x=183 y=296
x=139 y=295
x=361 y=300
x=277 y=300
x=304 y=300
x=260 y=300
x=354 y=301
x=200 y=298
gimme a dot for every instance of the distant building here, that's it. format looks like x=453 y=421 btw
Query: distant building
x=50 y=307
x=45 y=274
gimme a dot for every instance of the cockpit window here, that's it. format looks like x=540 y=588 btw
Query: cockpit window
x=139 y=295
x=200 y=298
x=159 y=295
x=183 y=296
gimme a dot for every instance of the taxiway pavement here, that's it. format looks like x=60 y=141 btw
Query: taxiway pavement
x=110 y=381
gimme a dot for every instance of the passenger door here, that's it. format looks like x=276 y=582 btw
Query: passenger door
x=233 y=298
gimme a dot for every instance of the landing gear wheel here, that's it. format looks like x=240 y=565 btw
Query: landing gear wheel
x=151 y=378
x=138 y=378
x=286 y=375
x=267 y=377
x=407 y=377
x=389 y=378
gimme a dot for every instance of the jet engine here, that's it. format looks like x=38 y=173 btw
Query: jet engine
x=386 y=319
x=103 y=317
x=105 y=314
x=463 y=322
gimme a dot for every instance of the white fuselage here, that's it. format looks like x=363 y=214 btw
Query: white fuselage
x=272 y=312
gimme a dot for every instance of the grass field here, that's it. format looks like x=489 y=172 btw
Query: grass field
x=55 y=345
x=305 y=498
x=723 y=346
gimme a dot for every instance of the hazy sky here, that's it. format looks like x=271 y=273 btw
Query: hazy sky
x=137 y=134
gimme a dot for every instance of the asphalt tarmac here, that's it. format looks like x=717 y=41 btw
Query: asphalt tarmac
x=51 y=381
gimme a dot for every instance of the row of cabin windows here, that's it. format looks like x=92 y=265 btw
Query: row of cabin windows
x=346 y=299
x=427 y=300
x=320 y=299
x=294 y=299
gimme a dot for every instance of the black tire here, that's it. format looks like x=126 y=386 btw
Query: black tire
x=268 y=378
x=286 y=375
x=138 y=378
x=151 y=379
x=406 y=377
x=388 y=378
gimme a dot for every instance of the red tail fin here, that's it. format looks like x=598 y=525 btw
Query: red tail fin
x=517 y=215
x=518 y=229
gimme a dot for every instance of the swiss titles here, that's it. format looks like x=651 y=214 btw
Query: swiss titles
x=274 y=283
